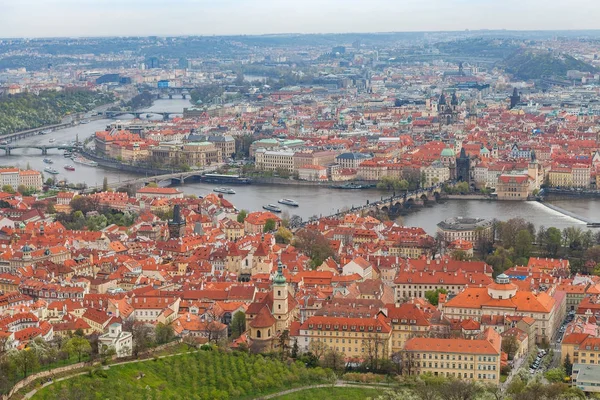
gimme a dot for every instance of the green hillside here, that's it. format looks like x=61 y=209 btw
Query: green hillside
x=534 y=64
x=205 y=375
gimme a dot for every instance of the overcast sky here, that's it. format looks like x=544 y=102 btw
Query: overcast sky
x=35 y=18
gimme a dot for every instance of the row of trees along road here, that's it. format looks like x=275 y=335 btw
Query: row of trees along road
x=44 y=355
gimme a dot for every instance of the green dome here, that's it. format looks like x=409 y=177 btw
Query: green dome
x=279 y=278
x=447 y=152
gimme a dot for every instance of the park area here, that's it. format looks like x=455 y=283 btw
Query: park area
x=203 y=375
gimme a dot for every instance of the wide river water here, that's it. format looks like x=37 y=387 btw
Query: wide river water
x=313 y=200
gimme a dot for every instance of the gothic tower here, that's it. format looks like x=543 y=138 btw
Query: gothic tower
x=463 y=167
x=514 y=99
x=177 y=224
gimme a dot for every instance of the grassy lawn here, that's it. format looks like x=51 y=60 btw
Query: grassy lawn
x=203 y=375
x=337 y=393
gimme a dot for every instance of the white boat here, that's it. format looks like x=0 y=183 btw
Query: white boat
x=51 y=170
x=224 y=190
x=48 y=161
x=52 y=140
x=85 y=121
x=289 y=202
x=272 y=207
x=46 y=131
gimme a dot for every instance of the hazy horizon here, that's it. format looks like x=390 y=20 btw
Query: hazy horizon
x=105 y=18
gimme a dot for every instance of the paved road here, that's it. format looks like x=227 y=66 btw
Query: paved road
x=513 y=372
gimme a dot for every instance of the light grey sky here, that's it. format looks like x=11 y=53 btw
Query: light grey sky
x=35 y=18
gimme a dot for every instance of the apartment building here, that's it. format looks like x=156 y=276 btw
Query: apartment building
x=271 y=160
x=355 y=337
x=560 y=176
x=477 y=359
x=412 y=283
x=351 y=160
x=581 y=175
x=197 y=154
x=435 y=173
x=319 y=158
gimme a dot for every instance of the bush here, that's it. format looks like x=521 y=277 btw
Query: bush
x=363 y=378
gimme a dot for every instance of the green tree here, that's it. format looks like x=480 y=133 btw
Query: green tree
x=459 y=255
x=334 y=360
x=238 y=324
x=105 y=184
x=152 y=185
x=283 y=235
x=508 y=231
x=163 y=333
x=241 y=217
x=142 y=338
x=501 y=260
x=312 y=243
x=568 y=365
x=25 y=360
x=510 y=345
x=555 y=375
x=523 y=244
x=78 y=346
x=553 y=241
x=295 y=350
x=8 y=189
x=433 y=296
x=84 y=204
x=270 y=225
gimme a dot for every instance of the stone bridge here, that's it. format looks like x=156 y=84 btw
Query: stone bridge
x=137 y=114
x=175 y=178
x=395 y=204
x=9 y=147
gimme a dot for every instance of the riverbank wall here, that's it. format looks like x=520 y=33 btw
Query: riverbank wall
x=468 y=197
x=293 y=182
x=105 y=163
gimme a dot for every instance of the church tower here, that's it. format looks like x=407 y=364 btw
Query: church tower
x=280 y=299
x=514 y=99
x=533 y=170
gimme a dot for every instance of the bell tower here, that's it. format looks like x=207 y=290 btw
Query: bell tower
x=280 y=298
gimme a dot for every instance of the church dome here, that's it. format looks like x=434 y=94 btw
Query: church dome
x=447 y=152
x=502 y=288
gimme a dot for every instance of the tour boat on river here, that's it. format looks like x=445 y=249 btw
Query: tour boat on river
x=224 y=190
x=272 y=207
x=289 y=202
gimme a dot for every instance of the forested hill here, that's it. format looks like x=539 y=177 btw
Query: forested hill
x=27 y=111
x=535 y=64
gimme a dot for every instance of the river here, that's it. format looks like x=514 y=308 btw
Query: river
x=313 y=200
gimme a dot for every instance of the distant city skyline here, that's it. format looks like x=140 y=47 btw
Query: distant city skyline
x=54 y=18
